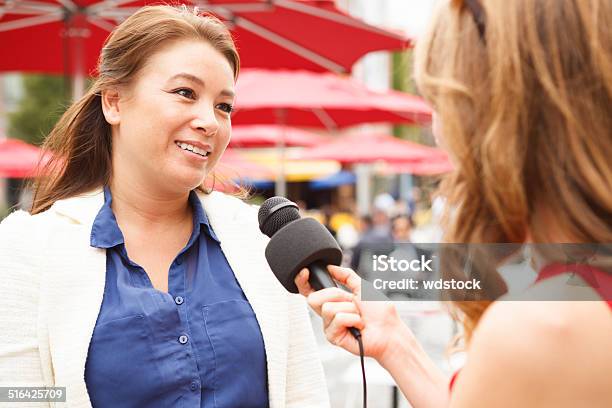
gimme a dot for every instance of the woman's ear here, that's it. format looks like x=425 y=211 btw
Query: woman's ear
x=110 y=106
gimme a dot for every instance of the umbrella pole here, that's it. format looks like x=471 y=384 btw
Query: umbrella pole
x=405 y=186
x=68 y=86
x=280 y=187
x=363 y=172
x=78 y=81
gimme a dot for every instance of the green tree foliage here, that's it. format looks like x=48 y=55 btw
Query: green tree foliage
x=402 y=81
x=44 y=101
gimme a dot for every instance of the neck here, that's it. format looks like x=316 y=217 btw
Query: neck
x=136 y=204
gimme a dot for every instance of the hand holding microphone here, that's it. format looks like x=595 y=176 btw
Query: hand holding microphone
x=297 y=243
x=378 y=321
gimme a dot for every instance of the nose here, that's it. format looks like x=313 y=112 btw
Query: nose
x=206 y=122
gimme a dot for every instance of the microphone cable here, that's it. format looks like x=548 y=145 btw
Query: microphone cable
x=280 y=220
x=363 y=376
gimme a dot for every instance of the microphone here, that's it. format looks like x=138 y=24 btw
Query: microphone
x=297 y=243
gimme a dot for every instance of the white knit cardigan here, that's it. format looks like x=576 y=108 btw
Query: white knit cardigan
x=52 y=282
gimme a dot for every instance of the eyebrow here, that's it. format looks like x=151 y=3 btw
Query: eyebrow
x=193 y=78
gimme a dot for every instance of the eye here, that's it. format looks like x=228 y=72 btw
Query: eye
x=185 y=92
x=225 y=107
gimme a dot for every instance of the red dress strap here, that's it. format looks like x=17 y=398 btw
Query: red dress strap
x=453 y=379
x=599 y=280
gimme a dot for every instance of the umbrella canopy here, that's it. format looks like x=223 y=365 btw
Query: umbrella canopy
x=236 y=166
x=370 y=148
x=44 y=35
x=338 y=179
x=431 y=167
x=19 y=159
x=270 y=135
x=294 y=170
x=302 y=98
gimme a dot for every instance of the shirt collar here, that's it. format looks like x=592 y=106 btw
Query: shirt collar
x=105 y=232
x=200 y=218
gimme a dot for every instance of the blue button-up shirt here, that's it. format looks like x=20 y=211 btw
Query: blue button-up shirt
x=199 y=345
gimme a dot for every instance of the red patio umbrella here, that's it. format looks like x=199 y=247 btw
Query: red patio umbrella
x=302 y=98
x=270 y=135
x=370 y=148
x=19 y=159
x=59 y=36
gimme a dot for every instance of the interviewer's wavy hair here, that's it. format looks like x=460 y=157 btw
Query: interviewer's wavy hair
x=81 y=140
x=523 y=90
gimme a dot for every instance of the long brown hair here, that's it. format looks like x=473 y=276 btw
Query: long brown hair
x=525 y=110
x=81 y=140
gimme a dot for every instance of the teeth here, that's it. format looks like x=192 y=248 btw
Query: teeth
x=192 y=148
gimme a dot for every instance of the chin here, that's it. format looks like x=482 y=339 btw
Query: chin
x=184 y=182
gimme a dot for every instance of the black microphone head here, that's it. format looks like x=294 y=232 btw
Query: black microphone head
x=297 y=245
x=295 y=242
x=275 y=213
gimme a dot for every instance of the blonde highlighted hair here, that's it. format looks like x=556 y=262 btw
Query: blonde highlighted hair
x=81 y=140
x=526 y=114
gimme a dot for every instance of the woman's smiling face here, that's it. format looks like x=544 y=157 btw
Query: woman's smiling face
x=174 y=119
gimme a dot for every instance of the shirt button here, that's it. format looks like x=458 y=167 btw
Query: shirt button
x=183 y=339
x=179 y=300
x=194 y=385
x=179 y=260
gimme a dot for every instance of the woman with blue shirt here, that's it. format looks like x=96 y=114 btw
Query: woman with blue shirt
x=129 y=283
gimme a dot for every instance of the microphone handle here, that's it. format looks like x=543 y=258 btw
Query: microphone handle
x=319 y=278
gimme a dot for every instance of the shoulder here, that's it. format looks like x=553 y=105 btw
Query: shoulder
x=226 y=206
x=21 y=251
x=219 y=198
x=16 y=219
x=24 y=238
x=24 y=223
x=20 y=225
x=540 y=347
x=15 y=231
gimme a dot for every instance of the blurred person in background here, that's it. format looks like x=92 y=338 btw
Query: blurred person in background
x=302 y=206
x=401 y=228
x=326 y=215
x=403 y=249
x=376 y=239
x=131 y=283
x=415 y=197
x=522 y=92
